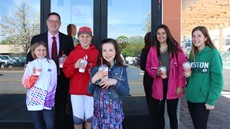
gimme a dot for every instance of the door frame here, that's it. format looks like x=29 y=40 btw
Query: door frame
x=100 y=18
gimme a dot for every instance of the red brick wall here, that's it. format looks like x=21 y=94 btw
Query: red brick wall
x=172 y=17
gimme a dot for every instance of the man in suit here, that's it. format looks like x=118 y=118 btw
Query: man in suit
x=64 y=45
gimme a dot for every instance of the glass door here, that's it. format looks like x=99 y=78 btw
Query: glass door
x=128 y=22
x=77 y=12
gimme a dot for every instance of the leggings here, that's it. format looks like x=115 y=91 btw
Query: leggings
x=199 y=114
x=158 y=108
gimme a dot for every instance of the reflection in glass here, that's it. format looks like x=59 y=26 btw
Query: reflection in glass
x=78 y=12
x=128 y=23
x=19 y=21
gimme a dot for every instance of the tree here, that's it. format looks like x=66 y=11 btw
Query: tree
x=134 y=46
x=147 y=27
x=20 y=26
x=5 y=42
x=122 y=43
x=130 y=46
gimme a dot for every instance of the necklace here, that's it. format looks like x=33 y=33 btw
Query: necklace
x=162 y=51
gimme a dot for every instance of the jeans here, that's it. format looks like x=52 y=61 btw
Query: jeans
x=43 y=119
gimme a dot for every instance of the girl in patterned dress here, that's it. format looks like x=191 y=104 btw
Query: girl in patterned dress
x=108 y=82
x=40 y=80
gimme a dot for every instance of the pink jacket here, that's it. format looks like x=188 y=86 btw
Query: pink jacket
x=175 y=78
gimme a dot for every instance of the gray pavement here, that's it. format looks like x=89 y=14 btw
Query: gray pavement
x=219 y=118
x=10 y=83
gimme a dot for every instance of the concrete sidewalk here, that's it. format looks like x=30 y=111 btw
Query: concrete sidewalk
x=13 y=110
x=219 y=118
x=17 y=117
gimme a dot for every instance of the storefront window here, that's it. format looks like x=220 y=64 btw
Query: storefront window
x=78 y=12
x=128 y=22
x=19 y=22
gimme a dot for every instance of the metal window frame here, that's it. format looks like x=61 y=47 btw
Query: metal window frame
x=100 y=27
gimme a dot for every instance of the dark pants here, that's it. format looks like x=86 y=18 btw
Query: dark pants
x=61 y=101
x=147 y=81
x=43 y=119
x=158 y=109
x=199 y=114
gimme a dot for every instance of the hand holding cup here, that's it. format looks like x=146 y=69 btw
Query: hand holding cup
x=37 y=69
x=187 y=69
x=163 y=72
x=104 y=70
x=61 y=61
x=82 y=65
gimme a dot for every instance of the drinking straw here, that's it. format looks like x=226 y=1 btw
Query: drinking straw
x=102 y=65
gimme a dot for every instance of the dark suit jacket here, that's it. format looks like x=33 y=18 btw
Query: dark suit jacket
x=66 y=44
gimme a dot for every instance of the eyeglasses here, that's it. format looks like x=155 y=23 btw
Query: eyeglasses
x=55 y=22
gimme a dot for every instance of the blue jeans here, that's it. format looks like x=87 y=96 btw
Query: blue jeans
x=43 y=119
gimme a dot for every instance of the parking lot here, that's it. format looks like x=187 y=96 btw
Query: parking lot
x=7 y=61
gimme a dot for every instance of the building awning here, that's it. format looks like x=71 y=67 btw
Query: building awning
x=213 y=14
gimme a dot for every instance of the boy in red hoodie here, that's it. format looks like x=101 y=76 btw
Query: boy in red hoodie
x=77 y=67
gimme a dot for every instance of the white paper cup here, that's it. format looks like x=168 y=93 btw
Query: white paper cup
x=37 y=70
x=82 y=69
x=61 y=61
x=105 y=68
x=187 y=69
x=163 y=71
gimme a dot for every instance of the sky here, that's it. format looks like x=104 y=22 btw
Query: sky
x=8 y=9
x=125 y=17
x=8 y=5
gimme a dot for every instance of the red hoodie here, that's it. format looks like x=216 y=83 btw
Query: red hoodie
x=79 y=81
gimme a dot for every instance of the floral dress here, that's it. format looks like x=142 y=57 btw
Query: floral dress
x=107 y=114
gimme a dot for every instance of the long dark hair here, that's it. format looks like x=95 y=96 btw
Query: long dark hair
x=147 y=40
x=118 y=60
x=171 y=42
